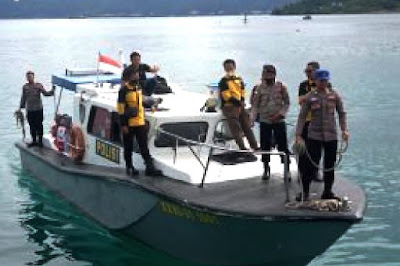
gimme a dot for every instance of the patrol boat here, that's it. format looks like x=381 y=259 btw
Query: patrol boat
x=211 y=207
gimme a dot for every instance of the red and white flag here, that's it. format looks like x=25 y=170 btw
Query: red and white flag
x=107 y=64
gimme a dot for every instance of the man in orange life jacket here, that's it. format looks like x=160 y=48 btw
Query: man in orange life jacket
x=232 y=92
x=132 y=119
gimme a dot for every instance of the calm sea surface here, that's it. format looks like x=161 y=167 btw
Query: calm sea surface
x=362 y=52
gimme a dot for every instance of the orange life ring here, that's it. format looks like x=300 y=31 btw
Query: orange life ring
x=76 y=144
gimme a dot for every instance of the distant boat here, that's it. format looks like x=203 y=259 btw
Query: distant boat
x=78 y=17
x=307 y=17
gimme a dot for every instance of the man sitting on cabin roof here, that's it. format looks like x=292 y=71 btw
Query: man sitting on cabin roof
x=132 y=120
x=137 y=66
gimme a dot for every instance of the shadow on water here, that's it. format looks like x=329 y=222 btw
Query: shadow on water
x=61 y=232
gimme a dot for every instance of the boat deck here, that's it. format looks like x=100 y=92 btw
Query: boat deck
x=248 y=197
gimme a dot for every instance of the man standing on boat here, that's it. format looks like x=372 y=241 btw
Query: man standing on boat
x=32 y=102
x=232 y=92
x=272 y=104
x=132 y=119
x=305 y=87
x=322 y=133
x=137 y=66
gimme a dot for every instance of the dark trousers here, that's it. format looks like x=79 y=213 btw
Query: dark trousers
x=280 y=136
x=238 y=121
x=35 y=120
x=303 y=158
x=314 y=148
x=140 y=133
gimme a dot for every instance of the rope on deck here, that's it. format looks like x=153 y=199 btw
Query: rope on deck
x=322 y=205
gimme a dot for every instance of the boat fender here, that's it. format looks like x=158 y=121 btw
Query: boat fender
x=77 y=144
x=61 y=138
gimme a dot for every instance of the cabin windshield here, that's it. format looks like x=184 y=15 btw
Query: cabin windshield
x=222 y=132
x=196 y=131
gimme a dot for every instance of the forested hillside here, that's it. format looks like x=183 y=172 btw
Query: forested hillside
x=79 y=8
x=339 y=7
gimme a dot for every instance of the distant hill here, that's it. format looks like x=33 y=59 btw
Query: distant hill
x=338 y=7
x=89 y=8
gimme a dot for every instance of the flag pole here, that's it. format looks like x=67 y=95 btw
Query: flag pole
x=97 y=70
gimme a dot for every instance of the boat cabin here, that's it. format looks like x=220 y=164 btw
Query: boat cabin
x=187 y=144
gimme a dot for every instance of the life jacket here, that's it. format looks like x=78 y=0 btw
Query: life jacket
x=131 y=99
x=62 y=139
x=231 y=88
x=77 y=141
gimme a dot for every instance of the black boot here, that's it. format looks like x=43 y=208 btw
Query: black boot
x=131 y=171
x=34 y=141
x=302 y=197
x=329 y=195
x=32 y=144
x=152 y=171
x=267 y=172
x=134 y=172
x=40 y=143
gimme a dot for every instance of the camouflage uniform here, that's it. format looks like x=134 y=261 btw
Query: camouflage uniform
x=269 y=101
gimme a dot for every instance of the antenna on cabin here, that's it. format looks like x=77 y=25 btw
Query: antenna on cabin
x=121 y=57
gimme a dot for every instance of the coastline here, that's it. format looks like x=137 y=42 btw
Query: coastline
x=202 y=15
x=341 y=13
x=252 y=13
x=140 y=16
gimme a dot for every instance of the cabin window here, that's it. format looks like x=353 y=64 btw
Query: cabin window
x=196 y=131
x=222 y=132
x=104 y=124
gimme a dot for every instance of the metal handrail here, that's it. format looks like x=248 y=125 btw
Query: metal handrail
x=193 y=142
x=212 y=147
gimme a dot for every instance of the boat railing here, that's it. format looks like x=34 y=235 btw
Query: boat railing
x=190 y=143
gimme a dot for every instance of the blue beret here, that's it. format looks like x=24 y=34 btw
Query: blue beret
x=322 y=74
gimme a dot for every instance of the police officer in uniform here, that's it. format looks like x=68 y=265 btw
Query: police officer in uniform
x=32 y=102
x=272 y=104
x=322 y=134
x=132 y=119
x=232 y=94
x=305 y=87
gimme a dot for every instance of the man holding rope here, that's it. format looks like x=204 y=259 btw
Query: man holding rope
x=304 y=88
x=322 y=133
x=32 y=102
